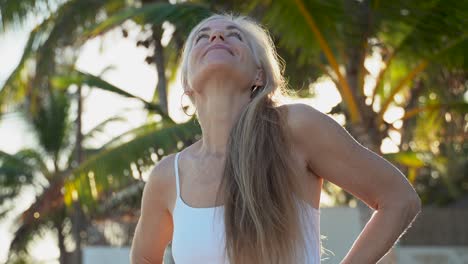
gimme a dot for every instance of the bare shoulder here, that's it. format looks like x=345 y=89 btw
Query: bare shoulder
x=162 y=170
x=333 y=154
x=304 y=120
x=161 y=178
x=317 y=132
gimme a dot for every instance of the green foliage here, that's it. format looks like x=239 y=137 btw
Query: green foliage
x=408 y=158
x=43 y=49
x=14 y=12
x=79 y=78
x=119 y=166
x=52 y=123
x=16 y=171
x=184 y=16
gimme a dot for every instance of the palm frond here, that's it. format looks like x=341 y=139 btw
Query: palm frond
x=15 y=13
x=410 y=25
x=296 y=34
x=30 y=77
x=456 y=106
x=52 y=125
x=99 y=128
x=136 y=132
x=120 y=203
x=409 y=158
x=117 y=167
x=19 y=170
x=182 y=15
x=80 y=78
x=16 y=87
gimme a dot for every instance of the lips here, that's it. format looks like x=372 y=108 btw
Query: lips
x=218 y=46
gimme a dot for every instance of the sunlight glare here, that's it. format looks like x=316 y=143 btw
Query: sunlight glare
x=326 y=95
x=44 y=249
x=388 y=146
x=393 y=113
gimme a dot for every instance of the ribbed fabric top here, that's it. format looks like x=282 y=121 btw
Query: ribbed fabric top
x=199 y=233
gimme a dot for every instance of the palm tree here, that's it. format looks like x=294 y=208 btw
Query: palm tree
x=30 y=167
x=119 y=163
x=331 y=38
x=32 y=92
x=441 y=137
x=337 y=36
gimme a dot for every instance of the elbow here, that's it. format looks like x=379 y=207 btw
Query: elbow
x=415 y=204
x=411 y=206
x=410 y=203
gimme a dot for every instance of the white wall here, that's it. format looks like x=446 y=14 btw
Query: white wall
x=104 y=255
x=340 y=226
x=432 y=255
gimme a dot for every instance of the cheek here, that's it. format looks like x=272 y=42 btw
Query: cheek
x=197 y=49
x=248 y=60
x=193 y=59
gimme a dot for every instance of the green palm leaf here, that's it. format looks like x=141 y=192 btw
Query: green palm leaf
x=456 y=106
x=99 y=128
x=15 y=13
x=52 y=125
x=119 y=166
x=409 y=158
x=182 y=15
x=45 y=43
x=16 y=171
x=79 y=78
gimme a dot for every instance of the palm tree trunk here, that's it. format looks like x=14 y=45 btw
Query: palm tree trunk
x=79 y=134
x=61 y=242
x=161 y=90
x=161 y=87
x=77 y=216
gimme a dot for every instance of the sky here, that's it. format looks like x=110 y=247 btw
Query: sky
x=138 y=78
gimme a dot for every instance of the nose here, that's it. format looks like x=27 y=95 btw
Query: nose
x=217 y=34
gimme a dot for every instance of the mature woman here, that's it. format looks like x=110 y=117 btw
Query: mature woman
x=249 y=190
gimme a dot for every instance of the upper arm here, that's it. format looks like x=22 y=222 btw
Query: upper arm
x=333 y=154
x=154 y=228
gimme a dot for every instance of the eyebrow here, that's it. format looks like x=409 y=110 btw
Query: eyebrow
x=230 y=27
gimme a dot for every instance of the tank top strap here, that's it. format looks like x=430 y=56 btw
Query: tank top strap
x=176 y=169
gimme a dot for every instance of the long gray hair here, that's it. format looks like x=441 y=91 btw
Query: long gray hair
x=261 y=215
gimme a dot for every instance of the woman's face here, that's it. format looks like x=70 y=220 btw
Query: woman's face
x=220 y=50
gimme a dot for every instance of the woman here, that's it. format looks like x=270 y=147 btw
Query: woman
x=249 y=190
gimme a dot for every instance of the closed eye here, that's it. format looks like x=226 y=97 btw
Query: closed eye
x=232 y=33
x=201 y=36
x=235 y=34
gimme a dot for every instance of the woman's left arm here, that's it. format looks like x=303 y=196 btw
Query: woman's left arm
x=332 y=153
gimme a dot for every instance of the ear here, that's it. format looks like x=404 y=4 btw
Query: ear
x=259 y=77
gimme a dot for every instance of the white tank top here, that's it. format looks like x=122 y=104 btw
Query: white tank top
x=198 y=235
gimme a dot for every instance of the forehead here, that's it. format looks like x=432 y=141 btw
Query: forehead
x=218 y=23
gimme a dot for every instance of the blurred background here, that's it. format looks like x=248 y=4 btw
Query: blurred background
x=90 y=101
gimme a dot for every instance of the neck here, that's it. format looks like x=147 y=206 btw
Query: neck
x=219 y=105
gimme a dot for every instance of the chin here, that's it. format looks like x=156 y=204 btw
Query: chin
x=223 y=69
